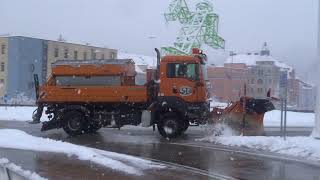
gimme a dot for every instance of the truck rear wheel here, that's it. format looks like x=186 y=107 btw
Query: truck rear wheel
x=74 y=123
x=170 y=126
x=93 y=127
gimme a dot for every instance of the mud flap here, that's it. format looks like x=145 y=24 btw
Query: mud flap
x=36 y=116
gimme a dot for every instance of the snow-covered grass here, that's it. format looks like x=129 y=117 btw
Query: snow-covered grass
x=17 y=139
x=17 y=169
x=303 y=147
x=18 y=113
x=294 y=119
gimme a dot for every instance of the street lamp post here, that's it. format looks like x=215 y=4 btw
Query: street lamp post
x=152 y=38
x=316 y=129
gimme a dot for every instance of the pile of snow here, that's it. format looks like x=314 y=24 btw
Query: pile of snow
x=302 y=147
x=17 y=169
x=294 y=119
x=219 y=129
x=16 y=139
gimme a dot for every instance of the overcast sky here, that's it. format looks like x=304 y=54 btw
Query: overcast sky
x=289 y=26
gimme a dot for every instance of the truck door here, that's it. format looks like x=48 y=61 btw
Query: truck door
x=182 y=81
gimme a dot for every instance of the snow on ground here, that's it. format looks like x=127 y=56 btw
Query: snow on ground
x=303 y=147
x=294 y=119
x=17 y=113
x=17 y=139
x=271 y=119
x=17 y=169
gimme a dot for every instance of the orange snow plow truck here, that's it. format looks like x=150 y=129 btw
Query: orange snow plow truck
x=83 y=96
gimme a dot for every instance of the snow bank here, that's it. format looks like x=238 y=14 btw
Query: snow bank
x=18 y=113
x=17 y=139
x=17 y=169
x=303 y=147
x=294 y=119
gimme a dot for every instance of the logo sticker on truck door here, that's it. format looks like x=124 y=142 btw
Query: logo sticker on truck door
x=185 y=91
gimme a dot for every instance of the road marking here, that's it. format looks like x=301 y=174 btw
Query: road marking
x=229 y=149
x=192 y=169
x=188 y=168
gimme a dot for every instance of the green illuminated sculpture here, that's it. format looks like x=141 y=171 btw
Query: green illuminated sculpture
x=198 y=27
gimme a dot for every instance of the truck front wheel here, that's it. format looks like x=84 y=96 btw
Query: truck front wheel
x=185 y=126
x=169 y=126
x=74 y=123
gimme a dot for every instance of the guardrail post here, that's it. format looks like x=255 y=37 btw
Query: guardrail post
x=7 y=173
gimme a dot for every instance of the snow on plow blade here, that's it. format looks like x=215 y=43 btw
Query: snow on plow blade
x=247 y=121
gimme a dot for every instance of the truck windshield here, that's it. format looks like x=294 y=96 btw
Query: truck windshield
x=183 y=70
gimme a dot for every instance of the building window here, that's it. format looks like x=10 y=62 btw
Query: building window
x=102 y=56
x=66 y=53
x=260 y=90
x=252 y=81
x=112 y=55
x=93 y=54
x=1 y=81
x=84 y=55
x=2 y=67
x=260 y=81
x=75 y=53
x=260 y=72
x=56 y=52
x=3 y=49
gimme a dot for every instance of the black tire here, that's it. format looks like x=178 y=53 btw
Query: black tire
x=74 y=123
x=170 y=126
x=93 y=127
x=185 y=126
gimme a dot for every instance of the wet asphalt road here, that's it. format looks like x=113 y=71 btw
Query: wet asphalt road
x=184 y=157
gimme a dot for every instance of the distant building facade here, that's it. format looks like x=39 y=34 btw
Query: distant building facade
x=263 y=77
x=21 y=57
x=227 y=82
x=260 y=73
x=306 y=97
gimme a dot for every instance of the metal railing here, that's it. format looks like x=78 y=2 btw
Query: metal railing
x=8 y=174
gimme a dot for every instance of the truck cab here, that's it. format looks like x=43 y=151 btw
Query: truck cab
x=183 y=93
x=184 y=77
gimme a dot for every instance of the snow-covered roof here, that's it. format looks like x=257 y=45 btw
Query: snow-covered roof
x=252 y=59
x=139 y=59
x=139 y=70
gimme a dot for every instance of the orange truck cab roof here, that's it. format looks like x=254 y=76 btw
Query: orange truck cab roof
x=192 y=58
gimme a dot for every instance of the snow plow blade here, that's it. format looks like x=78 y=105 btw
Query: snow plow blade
x=245 y=119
